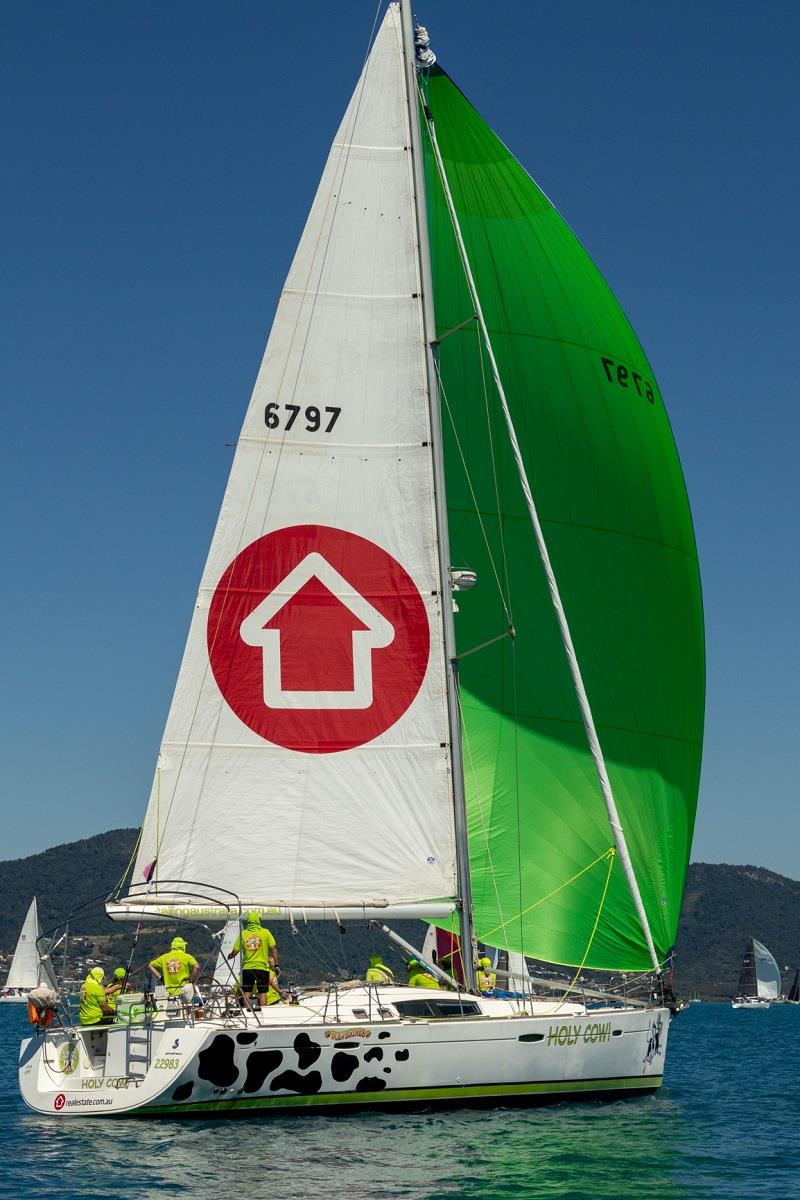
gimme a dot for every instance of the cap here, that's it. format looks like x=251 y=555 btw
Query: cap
x=119 y=973
x=484 y=962
x=178 y=944
x=97 y=973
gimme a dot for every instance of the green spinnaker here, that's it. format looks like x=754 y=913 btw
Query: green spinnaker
x=609 y=489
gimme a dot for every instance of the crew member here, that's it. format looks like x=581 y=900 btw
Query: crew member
x=418 y=977
x=177 y=970
x=259 y=957
x=96 y=1007
x=114 y=988
x=377 y=971
x=487 y=980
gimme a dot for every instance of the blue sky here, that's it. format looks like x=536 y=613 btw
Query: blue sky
x=158 y=164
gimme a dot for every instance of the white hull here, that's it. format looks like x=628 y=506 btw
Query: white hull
x=750 y=1002
x=23 y=999
x=292 y=1058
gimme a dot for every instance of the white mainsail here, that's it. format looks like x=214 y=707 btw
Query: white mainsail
x=27 y=970
x=323 y=579
x=768 y=977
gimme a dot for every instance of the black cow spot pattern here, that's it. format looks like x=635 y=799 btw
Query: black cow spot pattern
x=401 y=1055
x=384 y=1033
x=307 y=1051
x=370 y=1085
x=259 y=1065
x=342 y=1066
x=387 y=1070
x=306 y=1085
x=246 y=1039
x=216 y=1062
x=373 y=1052
x=184 y=1091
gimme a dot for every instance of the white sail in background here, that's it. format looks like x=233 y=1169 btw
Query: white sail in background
x=27 y=971
x=226 y=971
x=322 y=579
x=768 y=977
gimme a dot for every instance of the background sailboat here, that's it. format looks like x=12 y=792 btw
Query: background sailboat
x=759 y=980
x=30 y=967
x=793 y=996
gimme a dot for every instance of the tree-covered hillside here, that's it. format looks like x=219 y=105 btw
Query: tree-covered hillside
x=724 y=905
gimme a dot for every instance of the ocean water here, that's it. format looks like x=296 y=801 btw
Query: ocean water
x=726 y=1124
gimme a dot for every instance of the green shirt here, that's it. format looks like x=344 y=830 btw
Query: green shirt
x=175 y=968
x=93 y=996
x=382 y=974
x=423 y=980
x=255 y=943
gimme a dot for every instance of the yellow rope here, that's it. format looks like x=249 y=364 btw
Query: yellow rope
x=610 y=853
x=130 y=863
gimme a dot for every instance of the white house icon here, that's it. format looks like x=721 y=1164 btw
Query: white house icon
x=322 y=631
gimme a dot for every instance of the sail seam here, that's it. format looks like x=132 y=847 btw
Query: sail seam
x=349 y=295
x=552 y=521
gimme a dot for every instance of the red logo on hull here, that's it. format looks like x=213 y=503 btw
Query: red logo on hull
x=318 y=639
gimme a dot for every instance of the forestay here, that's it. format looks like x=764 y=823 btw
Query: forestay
x=305 y=757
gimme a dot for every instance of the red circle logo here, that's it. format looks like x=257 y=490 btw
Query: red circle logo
x=59 y=1101
x=318 y=639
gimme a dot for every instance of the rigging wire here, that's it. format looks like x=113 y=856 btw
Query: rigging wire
x=478 y=513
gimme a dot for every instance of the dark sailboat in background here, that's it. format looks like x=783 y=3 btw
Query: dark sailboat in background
x=759 y=979
x=794 y=991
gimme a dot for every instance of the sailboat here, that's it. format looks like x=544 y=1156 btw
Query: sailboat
x=793 y=996
x=446 y=657
x=759 y=979
x=30 y=966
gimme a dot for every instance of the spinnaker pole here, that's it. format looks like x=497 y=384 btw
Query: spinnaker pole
x=467 y=935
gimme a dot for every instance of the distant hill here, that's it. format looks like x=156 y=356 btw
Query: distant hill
x=61 y=879
x=723 y=906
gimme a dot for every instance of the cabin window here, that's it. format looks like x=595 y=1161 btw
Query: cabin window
x=457 y=1008
x=437 y=1008
x=360 y=1014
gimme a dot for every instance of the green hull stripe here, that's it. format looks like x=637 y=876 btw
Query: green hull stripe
x=415 y=1095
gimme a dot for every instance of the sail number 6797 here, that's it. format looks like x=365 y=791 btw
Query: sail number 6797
x=626 y=377
x=283 y=416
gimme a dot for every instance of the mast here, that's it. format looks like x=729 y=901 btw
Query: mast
x=429 y=328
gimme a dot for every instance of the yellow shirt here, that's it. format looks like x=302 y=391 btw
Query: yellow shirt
x=175 y=967
x=423 y=980
x=487 y=981
x=255 y=943
x=93 y=996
